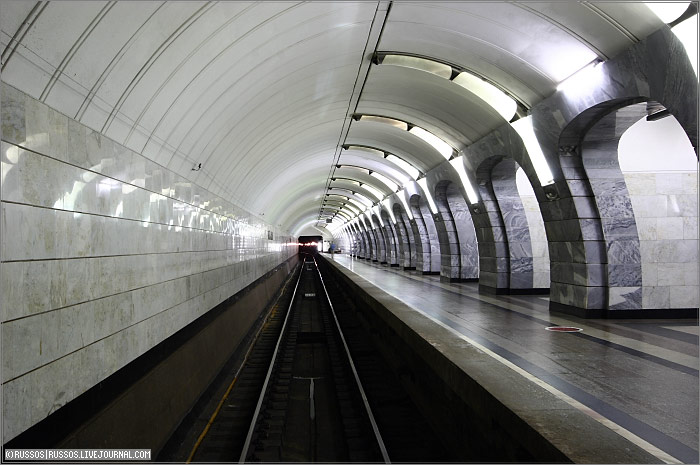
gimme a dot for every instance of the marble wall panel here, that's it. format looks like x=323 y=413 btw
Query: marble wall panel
x=105 y=254
x=538 y=242
x=666 y=207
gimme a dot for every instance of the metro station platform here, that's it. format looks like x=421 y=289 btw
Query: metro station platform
x=585 y=391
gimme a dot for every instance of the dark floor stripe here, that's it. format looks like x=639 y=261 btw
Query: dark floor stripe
x=640 y=354
x=659 y=330
x=612 y=345
x=637 y=427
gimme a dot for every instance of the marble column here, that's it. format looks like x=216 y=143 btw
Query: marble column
x=423 y=262
x=450 y=263
x=407 y=250
x=468 y=246
x=614 y=208
x=392 y=241
x=515 y=224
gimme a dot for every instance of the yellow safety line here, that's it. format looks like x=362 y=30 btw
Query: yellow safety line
x=211 y=420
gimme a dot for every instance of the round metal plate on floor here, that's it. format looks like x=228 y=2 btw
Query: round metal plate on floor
x=564 y=329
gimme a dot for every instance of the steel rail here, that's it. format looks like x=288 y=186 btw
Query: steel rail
x=375 y=428
x=246 y=445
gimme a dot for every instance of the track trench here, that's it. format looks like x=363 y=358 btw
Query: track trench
x=299 y=396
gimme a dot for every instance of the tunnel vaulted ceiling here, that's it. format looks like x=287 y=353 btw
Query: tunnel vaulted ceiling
x=262 y=94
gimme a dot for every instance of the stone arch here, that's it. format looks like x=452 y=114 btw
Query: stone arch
x=609 y=212
x=450 y=255
x=515 y=225
x=359 y=249
x=371 y=241
x=494 y=253
x=392 y=243
x=468 y=245
x=380 y=238
x=560 y=122
x=406 y=238
x=538 y=236
x=423 y=219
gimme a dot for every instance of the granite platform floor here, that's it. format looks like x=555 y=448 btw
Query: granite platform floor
x=637 y=376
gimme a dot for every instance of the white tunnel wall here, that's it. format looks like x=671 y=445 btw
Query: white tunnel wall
x=104 y=255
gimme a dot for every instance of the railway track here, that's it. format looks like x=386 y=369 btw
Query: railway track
x=310 y=391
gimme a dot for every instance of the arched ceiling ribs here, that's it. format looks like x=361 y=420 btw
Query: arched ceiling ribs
x=451 y=72
x=243 y=121
x=151 y=61
x=394 y=140
x=442 y=146
x=374 y=190
x=404 y=165
x=271 y=59
x=387 y=184
x=247 y=135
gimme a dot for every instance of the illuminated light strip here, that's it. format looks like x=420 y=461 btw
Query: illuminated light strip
x=382 y=119
x=494 y=97
x=500 y=101
x=377 y=211
x=373 y=190
x=523 y=126
x=361 y=207
x=386 y=181
x=387 y=204
x=583 y=80
x=423 y=183
x=423 y=64
x=438 y=144
x=368 y=203
x=362 y=148
x=368 y=216
x=458 y=165
x=411 y=170
x=402 y=196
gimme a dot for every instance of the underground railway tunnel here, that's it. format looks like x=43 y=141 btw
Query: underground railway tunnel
x=503 y=198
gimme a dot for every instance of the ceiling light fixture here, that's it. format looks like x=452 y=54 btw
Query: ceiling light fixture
x=438 y=144
x=411 y=170
x=387 y=204
x=402 y=196
x=423 y=183
x=496 y=98
x=382 y=119
x=458 y=165
x=377 y=211
x=524 y=128
x=489 y=92
x=386 y=181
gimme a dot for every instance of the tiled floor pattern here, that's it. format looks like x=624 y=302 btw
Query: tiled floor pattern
x=638 y=376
